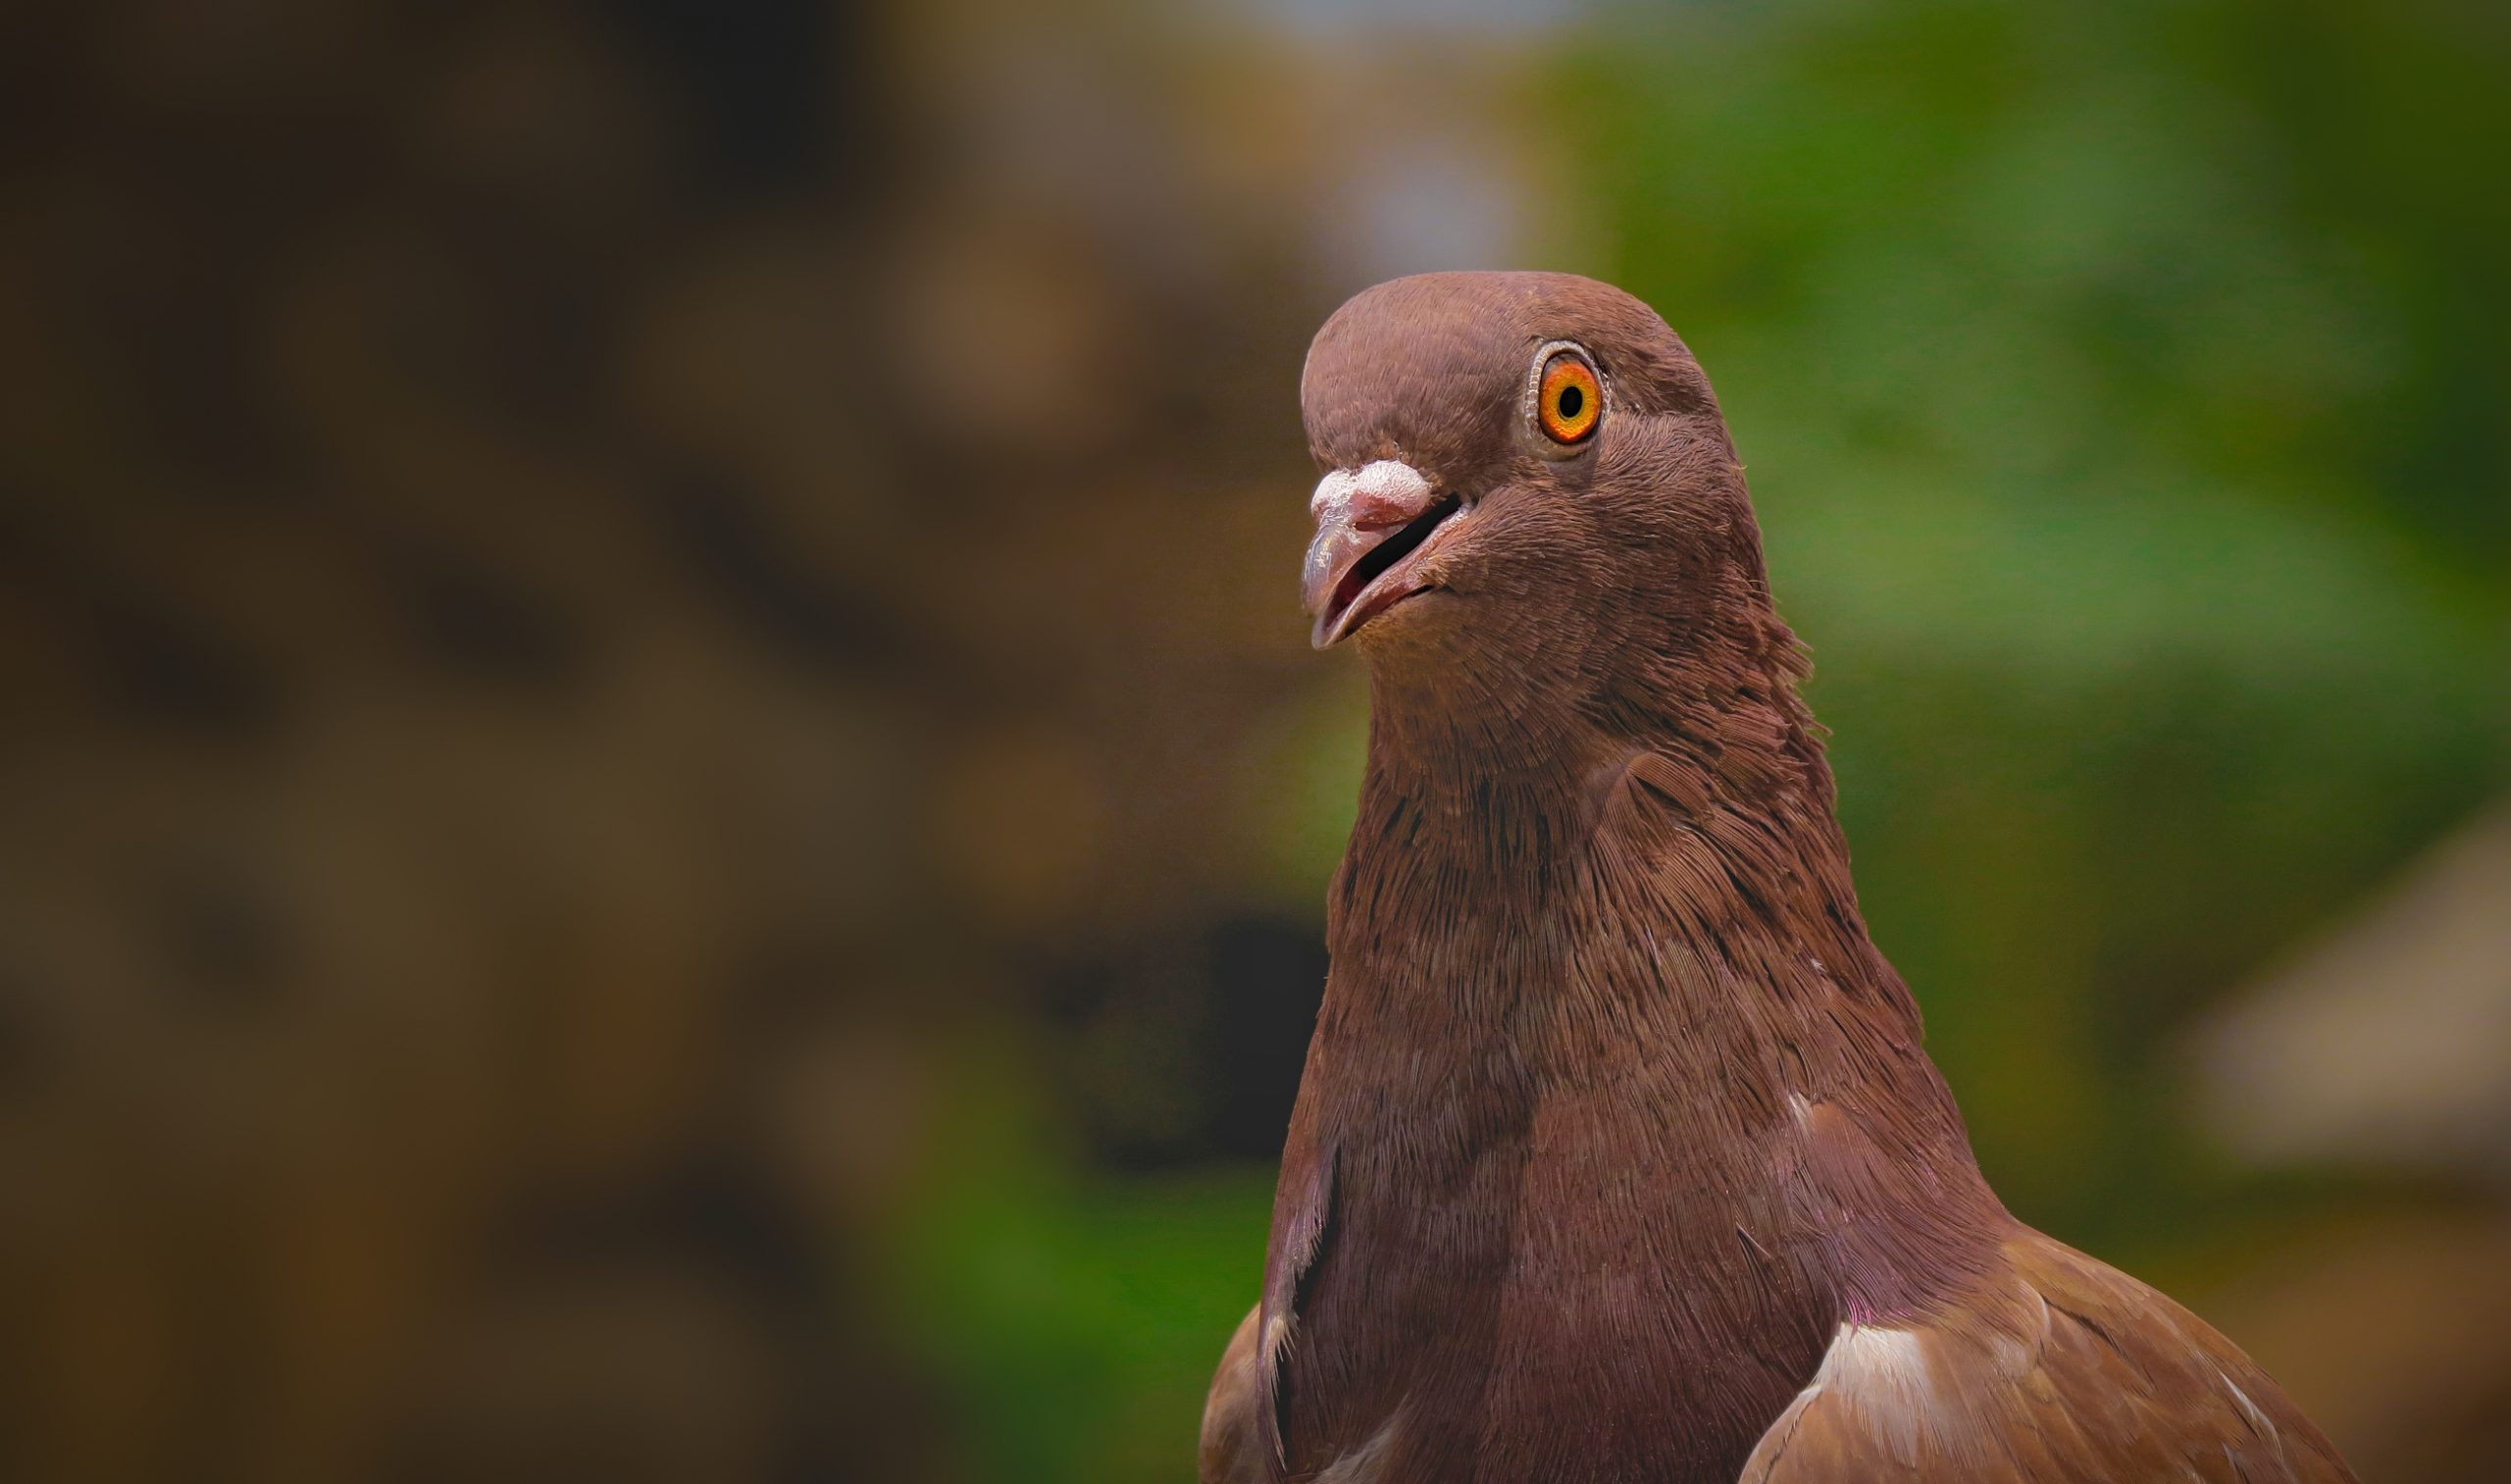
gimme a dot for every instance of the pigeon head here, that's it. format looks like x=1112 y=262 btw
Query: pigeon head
x=1525 y=474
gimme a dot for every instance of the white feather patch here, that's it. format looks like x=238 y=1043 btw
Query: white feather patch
x=1363 y=1465
x=1884 y=1377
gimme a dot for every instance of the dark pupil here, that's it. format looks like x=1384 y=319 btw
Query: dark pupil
x=1572 y=399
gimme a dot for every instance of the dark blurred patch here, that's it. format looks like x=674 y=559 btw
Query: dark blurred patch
x=758 y=76
x=147 y=659
x=729 y=547
x=477 y=621
x=1180 y=1055
x=29 y=1045
x=224 y=947
x=169 y=670
x=677 y=1331
x=1268 y=977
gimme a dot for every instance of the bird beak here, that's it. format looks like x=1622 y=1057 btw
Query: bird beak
x=1371 y=524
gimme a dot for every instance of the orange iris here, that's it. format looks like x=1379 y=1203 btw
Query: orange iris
x=1570 y=400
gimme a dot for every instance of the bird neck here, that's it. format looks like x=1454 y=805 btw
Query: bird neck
x=1654 y=898
x=1502 y=776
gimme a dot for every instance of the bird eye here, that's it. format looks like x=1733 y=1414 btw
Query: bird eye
x=1569 y=400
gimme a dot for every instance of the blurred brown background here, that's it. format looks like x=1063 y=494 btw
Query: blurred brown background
x=664 y=808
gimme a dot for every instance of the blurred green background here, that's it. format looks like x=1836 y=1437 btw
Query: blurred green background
x=664 y=810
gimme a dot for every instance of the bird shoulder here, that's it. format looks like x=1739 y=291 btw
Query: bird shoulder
x=2052 y=1367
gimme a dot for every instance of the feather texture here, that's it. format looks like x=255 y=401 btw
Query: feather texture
x=1617 y=1156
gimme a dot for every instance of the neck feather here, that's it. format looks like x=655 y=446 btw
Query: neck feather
x=1646 y=888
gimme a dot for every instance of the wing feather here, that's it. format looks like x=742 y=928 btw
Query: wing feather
x=1233 y=1446
x=2055 y=1368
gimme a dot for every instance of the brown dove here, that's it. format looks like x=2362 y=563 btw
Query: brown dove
x=1618 y=1157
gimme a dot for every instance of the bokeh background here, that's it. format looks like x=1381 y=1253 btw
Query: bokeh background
x=663 y=810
